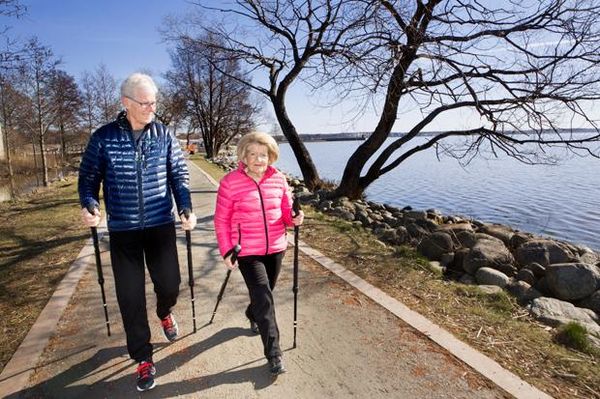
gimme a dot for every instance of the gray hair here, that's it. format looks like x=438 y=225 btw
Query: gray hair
x=135 y=81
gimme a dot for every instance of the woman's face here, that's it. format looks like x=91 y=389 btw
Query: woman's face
x=256 y=159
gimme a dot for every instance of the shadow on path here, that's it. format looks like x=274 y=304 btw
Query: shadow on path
x=65 y=384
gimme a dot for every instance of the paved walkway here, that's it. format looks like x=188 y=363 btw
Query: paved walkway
x=348 y=345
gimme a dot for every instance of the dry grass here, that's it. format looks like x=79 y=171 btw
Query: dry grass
x=40 y=236
x=492 y=323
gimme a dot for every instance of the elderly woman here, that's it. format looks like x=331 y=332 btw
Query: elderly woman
x=254 y=208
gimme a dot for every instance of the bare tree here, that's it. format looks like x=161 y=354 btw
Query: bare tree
x=287 y=38
x=88 y=102
x=38 y=71
x=67 y=100
x=522 y=70
x=8 y=56
x=107 y=96
x=10 y=101
x=210 y=82
x=172 y=107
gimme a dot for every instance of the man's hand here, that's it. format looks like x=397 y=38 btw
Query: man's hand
x=188 y=223
x=298 y=219
x=89 y=219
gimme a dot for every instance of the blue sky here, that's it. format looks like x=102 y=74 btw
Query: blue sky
x=124 y=36
x=121 y=34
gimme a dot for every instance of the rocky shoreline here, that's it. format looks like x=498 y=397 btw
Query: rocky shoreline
x=557 y=281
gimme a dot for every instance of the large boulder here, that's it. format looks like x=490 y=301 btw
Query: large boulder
x=456 y=227
x=524 y=292
x=466 y=239
x=416 y=231
x=518 y=239
x=499 y=231
x=487 y=253
x=592 y=302
x=555 y=312
x=572 y=281
x=544 y=252
x=434 y=246
x=586 y=255
x=489 y=276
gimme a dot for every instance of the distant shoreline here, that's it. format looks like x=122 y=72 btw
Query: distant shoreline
x=359 y=136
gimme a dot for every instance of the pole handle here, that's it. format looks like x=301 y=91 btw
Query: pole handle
x=296 y=206
x=236 y=251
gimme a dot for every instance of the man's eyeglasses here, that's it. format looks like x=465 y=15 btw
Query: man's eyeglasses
x=143 y=104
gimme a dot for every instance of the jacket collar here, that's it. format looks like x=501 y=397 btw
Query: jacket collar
x=124 y=124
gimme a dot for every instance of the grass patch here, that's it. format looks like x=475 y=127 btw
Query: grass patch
x=214 y=170
x=575 y=336
x=492 y=323
x=40 y=236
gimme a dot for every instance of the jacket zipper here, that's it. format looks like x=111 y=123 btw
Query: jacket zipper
x=262 y=207
x=139 y=160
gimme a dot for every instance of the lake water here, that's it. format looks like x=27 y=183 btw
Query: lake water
x=560 y=201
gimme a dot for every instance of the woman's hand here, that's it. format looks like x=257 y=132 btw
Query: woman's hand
x=298 y=219
x=228 y=263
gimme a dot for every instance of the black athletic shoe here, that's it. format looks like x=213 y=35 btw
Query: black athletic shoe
x=276 y=365
x=254 y=327
x=145 y=376
x=170 y=328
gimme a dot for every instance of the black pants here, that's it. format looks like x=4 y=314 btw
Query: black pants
x=260 y=274
x=128 y=249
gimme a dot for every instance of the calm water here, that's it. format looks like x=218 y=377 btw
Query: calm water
x=561 y=201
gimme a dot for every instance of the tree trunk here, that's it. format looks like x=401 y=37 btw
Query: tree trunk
x=43 y=153
x=63 y=144
x=11 y=174
x=44 y=161
x=351 y=185
x=35 y=162
x=307 y=167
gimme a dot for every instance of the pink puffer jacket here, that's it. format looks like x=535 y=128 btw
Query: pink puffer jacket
x=261 y=211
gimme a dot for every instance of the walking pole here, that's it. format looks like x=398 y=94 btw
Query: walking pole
x=188 y=239
x=296 y=208
x=236 y=251
x=91 y=209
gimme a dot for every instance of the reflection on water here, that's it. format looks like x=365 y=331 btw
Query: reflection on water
x=23 y=185
x=560 y=201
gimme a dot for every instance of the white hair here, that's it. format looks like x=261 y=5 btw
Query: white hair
x=135 y=81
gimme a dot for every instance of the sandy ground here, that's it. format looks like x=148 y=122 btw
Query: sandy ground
x=348 y=346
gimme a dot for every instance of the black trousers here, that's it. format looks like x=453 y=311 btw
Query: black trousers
x=128 y=250
x=260 y=274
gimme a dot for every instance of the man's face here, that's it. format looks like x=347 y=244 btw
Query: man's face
x=140 y=107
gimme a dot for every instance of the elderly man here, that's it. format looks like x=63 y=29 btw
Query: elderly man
x=141 y=167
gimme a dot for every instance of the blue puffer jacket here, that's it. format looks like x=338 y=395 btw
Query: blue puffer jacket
x=138 y=179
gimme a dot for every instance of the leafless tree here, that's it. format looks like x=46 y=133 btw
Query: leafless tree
x=67 y=100
x=528 y=67
x=10 y=102
x=107 y=95
x=88 y=102
x=210 y=81
x=282 y=39
x=172 y=107
x=37 y=71
x=518 y=67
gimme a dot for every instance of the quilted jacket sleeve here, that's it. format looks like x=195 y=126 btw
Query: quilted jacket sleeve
x=178 y=175
x=286 y=204
x=223 y=215
x=91 y=172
